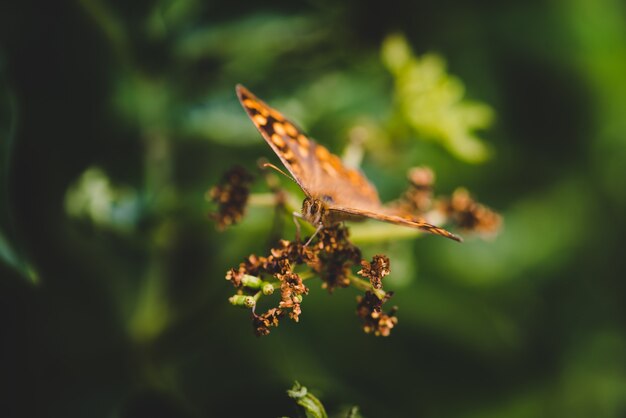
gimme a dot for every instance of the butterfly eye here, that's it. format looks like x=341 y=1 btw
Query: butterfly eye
x=315 y=207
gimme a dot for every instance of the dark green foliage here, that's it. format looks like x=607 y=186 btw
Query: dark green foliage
x=117 y=117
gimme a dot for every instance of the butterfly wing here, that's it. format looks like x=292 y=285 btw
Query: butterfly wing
x=342 y=212
x=317 y=171
x=321 y=174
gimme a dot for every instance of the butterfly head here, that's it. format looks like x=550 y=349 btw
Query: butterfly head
x=314 y=210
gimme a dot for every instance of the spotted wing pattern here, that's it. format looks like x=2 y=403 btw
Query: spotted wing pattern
x=321 y=174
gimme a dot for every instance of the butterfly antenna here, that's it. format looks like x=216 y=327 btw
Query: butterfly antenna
x=270 y=165
x=319 y=228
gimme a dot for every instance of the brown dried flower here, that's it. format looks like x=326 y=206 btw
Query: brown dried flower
x=420 y=194
x=279 y=265
x=263 y=322
x=336 y=255
x=470 y=215
x=252 y=266
x=295 y=252
x=418 y=197
x=376 y=322
x=235 y=277
x=291 y=291
x=231 y=195
x=376 y=270
x=331 y=256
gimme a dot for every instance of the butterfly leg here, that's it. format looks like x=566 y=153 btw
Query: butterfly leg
x=297 y=215
x=319 y=228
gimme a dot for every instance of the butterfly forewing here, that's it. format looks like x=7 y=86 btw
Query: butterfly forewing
x=267 y=120
x=319 y=173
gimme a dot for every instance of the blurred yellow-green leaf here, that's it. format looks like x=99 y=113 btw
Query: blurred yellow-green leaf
x=432 y=102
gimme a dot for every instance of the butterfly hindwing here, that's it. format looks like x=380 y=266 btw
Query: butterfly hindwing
x=409 y=221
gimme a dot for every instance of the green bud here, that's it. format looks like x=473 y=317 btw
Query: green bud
x=242 y=300
x=251 y=282
x=268 y=289
x=249 y=302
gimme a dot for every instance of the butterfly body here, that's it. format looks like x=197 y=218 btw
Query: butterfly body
x=334 y=192
x=319 y=211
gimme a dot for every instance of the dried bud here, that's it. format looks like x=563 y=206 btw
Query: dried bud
x=421 y=177
x=231 y=196
x=470 y=215
x=291 y=291
x=418 y=197
x=369 y=309
x=235 y=277
x=335 y=255
x=376 y=270
x=263 y=322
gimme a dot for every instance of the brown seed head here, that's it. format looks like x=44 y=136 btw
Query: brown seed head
x=231 y=196
x=470 y=215
x=262 y=323
x=376 y=322
x=291 y=291
x=376 y=270
x=336 y=255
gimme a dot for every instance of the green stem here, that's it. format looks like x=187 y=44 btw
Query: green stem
x=375 y=232
x=360 y=283
x=262 y=199
x=366 y=285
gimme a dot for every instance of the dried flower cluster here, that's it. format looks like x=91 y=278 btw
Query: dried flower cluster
x=376 y=322
x=460 y=209
x=336 y=255
x=470 y=215
x=331 y=256
x=253 y=274
x=231 y=195
x=376 y=270
x=369 y=308
x=419 y=196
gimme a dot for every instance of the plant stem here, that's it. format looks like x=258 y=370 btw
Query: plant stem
x=262 y=199
x=360 y=283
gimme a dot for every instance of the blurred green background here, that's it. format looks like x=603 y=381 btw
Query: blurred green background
x=116 y=117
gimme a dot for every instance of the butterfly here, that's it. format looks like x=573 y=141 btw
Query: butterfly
x=334 y=192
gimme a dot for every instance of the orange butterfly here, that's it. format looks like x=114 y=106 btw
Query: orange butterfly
x=334 y=192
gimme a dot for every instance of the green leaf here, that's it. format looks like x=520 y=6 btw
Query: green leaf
x=354 y=412
x=10 y=252
x=431 y=102
x=311 y=405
